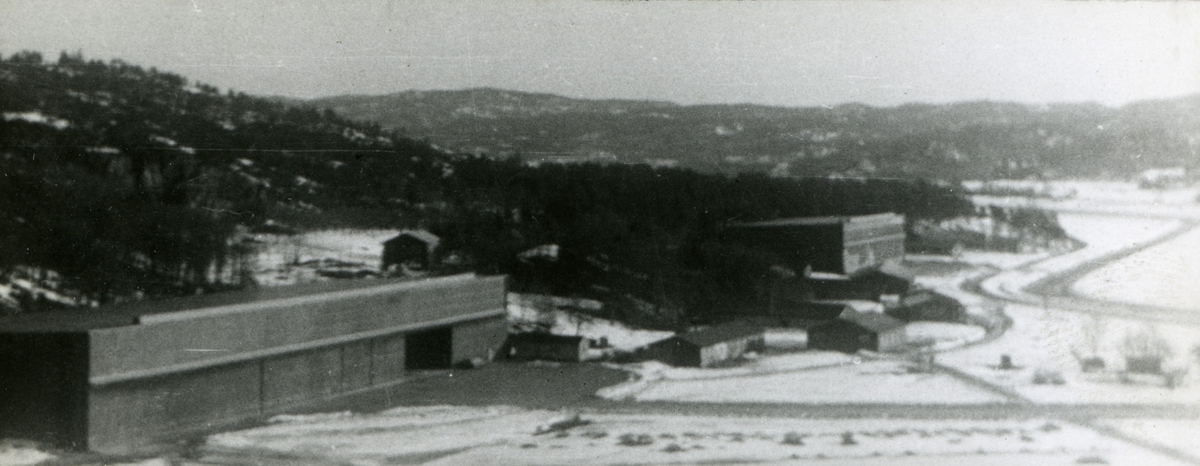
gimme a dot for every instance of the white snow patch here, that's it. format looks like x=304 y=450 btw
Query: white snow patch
x=37 y=118
x=103 y=150
x=552 y=312
x=164 y=140
x=15 y=453
x=883 y=381
x=944 y=335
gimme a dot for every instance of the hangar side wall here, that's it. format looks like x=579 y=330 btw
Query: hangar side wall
x=221 y=336
x=127 y=416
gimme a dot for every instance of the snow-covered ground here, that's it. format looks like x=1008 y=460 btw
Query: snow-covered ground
x=943 y=335
x=1108 y=197
x=1163 y=275
x=1109 y=192
x=17 y=453
x=1049 y=344
x=809 y=377
x=1178 y=434
x=510 y=436
x=290 y=259
x=553 y=313
x=1053 y=342
x=1103 y=234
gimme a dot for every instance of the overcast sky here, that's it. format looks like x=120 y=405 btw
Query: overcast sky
x=795 y=53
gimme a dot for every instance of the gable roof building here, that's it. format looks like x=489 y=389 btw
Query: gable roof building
x=709 y=346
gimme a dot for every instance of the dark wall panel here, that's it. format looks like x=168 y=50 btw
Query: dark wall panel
x=387 y=359
x=356 y=365
x=43 y=387
x=127 y=415
x=311 y=375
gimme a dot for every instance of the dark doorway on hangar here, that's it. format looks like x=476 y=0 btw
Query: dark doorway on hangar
x=428 y=349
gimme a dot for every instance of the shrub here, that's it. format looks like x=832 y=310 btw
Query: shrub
x=1048 y=376
x=792 y=438
x=635 y=440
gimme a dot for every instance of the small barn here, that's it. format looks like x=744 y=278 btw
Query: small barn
x=808 y=313
x=869 y=284
x=547 y=347
x=858 y=331
x=707 y=347
x=414 y=249
x=923 y=304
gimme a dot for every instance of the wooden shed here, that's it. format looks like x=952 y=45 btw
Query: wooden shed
x=411 y=248
x=704 y=348
x=547 y=347
x=858 y=331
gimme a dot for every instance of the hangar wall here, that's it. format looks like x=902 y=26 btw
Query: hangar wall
x=193 y=371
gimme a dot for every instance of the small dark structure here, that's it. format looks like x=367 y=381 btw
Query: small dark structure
x=806 y=314
x=126 y=378
x=1143 y=364
x=869 y=284
x=926 y=305
x=547 y=347
x=414 y=249
x=858 y=331
x=839 y=245
x=707 y=347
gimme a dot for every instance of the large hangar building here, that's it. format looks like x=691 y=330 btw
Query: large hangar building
x=839 y=245
x=119 y=380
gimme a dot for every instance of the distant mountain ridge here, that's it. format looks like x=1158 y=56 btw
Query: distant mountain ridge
x=961 y=140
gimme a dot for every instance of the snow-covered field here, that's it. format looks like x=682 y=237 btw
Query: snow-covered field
x=1104 y=197
x=810 y=377
x=1053 y=342
x=510 y=436
x=1103 y=234
x=1164 y=275
x=943 y=335
x=1178 y=434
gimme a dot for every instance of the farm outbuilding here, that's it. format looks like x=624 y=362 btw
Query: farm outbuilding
x=858 y=331
x=122 y=379
x=923 y=304
x=707 y=347
x=415 y=249
x=808 y=313
x=547 y=347
x=889 y=278
x=840 y=245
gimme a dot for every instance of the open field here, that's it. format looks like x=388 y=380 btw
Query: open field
x=1163 y=275
x=506 y=435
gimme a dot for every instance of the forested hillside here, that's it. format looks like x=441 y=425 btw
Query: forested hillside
x=121 y=180
x=971 y=140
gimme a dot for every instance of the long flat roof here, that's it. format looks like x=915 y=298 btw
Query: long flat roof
x=721 y=333
x=80 y=320
x=883 y=218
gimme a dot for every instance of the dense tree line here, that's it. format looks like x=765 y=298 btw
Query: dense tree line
x=148 y=181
